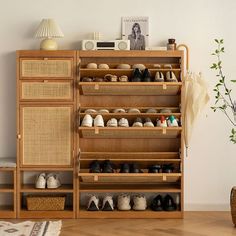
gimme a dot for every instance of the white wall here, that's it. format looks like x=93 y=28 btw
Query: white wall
x=210 y=167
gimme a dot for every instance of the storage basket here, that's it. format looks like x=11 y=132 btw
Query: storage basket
x=233 y=204
x=45 y=203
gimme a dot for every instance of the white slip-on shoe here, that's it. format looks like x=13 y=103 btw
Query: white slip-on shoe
x=134 y=110
x=123 y=203
x=162 y=122
x=40 y=181
x=140 y=202
x=172 y=122
x=159 y=77
x=87 y=121
x=119 y=110
x=98 y=121
x=103 y=111
x=123 y=122
x=88 y=111
x=107 y=203
x=151 y=110
x=93 y=204
x=53 y=181
x=138 y=122
x=112 y=122
x=148 y=123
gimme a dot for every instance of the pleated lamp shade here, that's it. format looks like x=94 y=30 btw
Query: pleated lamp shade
x=48 y=29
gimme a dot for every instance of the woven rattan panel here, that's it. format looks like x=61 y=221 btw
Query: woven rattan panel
x=46 y=68
x=46 y=136
x=50 y=90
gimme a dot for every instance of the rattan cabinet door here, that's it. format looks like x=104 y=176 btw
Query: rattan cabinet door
x=46 y=135
x=52 y=90
x=46 y=68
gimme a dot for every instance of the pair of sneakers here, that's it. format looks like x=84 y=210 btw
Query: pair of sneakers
x=88 y=121
x=94 y=204
x=123 y=122
x=124 y=202
x=171 y=121
x=50 y=180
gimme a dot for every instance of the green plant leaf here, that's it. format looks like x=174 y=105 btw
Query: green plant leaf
x=233 y=80
x=216 y=40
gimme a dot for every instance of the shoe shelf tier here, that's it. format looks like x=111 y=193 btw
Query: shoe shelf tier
x=8 y=192
x=130 y=214
x=134 y=188
x=130 y=88
x=129 y=132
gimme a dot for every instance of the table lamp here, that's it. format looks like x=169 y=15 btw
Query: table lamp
x=49 y=30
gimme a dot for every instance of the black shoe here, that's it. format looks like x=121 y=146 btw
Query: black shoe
x=124 y=168
x=155 y=169
x=95 y=167
x=107 y=167
x=157 y=203
x=167 y=168
x=134 y=168
x=146 y=76
x=137 y=75
x=169 y=204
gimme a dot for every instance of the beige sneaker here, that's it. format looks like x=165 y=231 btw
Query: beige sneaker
x=40 y=181
x=123 y=122
x=87 y=121
x=112 y=122
x=123 y=203
x=140 y=203
x=98 y=121
x=53 y=181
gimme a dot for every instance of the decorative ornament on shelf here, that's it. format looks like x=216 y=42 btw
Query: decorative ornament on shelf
x=224 y=101
x=49 y=30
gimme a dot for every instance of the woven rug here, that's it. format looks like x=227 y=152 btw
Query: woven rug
x=30 y=228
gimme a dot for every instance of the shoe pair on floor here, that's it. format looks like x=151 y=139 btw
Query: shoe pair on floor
x=123 y=203
x=94 y=204
x=163 y=204
x=50 y=181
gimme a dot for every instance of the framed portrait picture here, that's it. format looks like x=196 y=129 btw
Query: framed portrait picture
x=136 y=29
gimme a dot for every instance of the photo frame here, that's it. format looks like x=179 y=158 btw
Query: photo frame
x=136 y=29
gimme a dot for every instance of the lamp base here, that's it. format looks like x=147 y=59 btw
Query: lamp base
x=48 y=44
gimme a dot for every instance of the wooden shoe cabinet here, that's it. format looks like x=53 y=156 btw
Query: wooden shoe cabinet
x=45 y=127
x=51 y=103
x=143 y=145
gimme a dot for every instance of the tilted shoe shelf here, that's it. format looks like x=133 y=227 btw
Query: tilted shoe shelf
x=129 y=132
x=130 y=88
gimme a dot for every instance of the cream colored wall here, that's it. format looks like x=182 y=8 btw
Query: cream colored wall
x=211 y=166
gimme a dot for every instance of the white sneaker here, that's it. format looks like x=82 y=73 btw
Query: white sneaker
x=107 y=203
x=140 y=203
x=134 y=110
x=148 y=123
x=112 y=122
x=93 y=204
x=123 y=203
x=123 y=122
x=104 y=111
x=87 y=121
x=172 y=122
x=138 y=122
x=98 y=121
x=162 y=122
x=53 y=181
x=40 y=181
x=88 y=111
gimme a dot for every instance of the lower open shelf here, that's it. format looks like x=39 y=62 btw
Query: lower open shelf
x=83 y=213
x=65 y=214
x=7 y=212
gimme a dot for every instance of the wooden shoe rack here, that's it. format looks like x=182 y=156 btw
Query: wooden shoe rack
x=51 y=103
x=142 y=145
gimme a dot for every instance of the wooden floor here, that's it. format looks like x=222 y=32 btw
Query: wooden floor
x=194 y=224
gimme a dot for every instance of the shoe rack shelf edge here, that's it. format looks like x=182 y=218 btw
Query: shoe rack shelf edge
x=141 y=145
